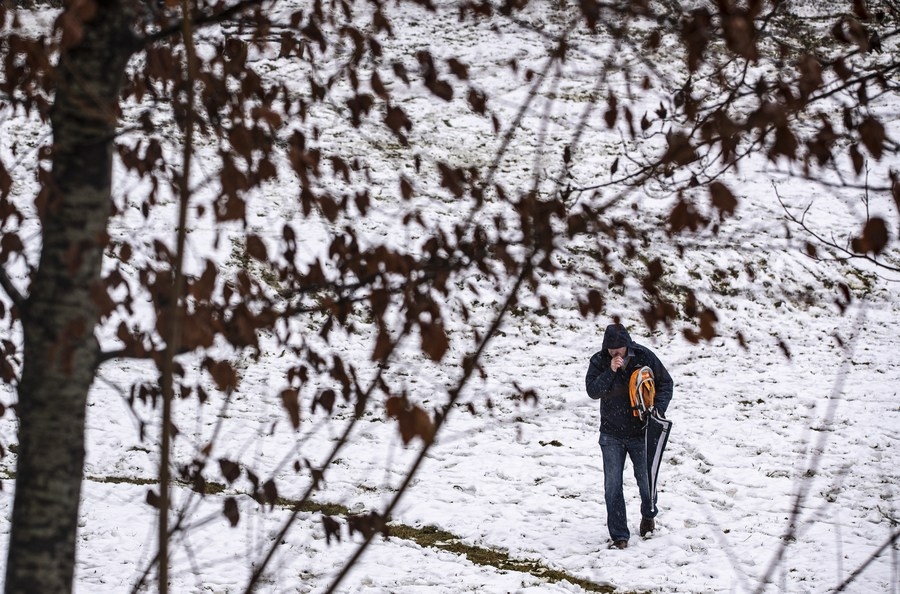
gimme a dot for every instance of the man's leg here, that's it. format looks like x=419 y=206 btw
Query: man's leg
x=613 y=450
x=638 y=454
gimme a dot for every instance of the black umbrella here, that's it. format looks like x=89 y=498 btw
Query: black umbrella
x=656 y=435
x=656 y=431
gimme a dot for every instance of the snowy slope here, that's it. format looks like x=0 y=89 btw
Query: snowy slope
x=761 y=441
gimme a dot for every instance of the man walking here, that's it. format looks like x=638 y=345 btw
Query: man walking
x=621 y=428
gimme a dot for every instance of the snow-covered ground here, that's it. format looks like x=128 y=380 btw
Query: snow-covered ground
x=778 y=466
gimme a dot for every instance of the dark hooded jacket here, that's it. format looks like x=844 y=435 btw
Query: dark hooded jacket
x=611 y=388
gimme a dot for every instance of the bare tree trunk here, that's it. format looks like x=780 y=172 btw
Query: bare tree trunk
x=60 y=313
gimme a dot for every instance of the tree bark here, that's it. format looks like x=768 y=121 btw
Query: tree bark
x=59 y=317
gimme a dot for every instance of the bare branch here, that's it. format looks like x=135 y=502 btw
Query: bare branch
x=891 y=540
x=471 y=364
x=837 y=393
x=199 y=21
x=298 y=506
x=848 y=254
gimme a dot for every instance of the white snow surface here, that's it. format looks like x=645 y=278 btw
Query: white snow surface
x=761 y=441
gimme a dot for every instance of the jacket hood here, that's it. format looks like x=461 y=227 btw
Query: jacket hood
x=616 y=336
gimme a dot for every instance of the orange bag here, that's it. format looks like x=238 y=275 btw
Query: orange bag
x=642 y=391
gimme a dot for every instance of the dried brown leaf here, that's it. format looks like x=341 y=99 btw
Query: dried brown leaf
x=231 y=471
x=435 y=342
x=422 y=425
x=440 y=88
x=452 y=178
x=290 y=400
x=477 y=101
x=378 y=86
x=406 y=188
x=383 y=345
x=202 y=288
x=459 y=69
x=256 y=248
x=645 y=123
x=708 y=320
x=612 y=110
x=873 y=136
x=785 y=144
x=740 y=35
x=679 y=150
x=690 y=335
x=326 y=399
x=359 y=105
x=697 y=32
x=684 y=216
x=413 y=421
x=223 y=374
x=395 y=406
x=856 y=158
x=593 y=304
x=722 y=199
x=399 y=123
x=332 y=529
x=230 y=509
x=400 y=72
x=810 y=75
x=874 y=237
x=270 y=491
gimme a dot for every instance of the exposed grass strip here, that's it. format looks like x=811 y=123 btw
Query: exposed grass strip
x=435 y=538
x=428 y=536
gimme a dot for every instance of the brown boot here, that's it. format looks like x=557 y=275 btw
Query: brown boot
x=618 y=544
x=647 y=525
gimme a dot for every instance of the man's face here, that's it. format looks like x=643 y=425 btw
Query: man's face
x=619 y=352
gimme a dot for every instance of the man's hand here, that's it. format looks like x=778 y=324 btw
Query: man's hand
x=617 y=362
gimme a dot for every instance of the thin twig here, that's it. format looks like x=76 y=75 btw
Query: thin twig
x=893 y=538
x=469 y=367
x=817 y=454
x=279 y=538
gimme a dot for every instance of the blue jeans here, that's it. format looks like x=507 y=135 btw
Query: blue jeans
x=614 y=450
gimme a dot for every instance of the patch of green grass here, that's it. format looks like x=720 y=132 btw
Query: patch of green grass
x=122 y=480
x=212 y=488
x=209 y=487
x=326 y=509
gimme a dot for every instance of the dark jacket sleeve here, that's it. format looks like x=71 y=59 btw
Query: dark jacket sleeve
x=599 y=376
